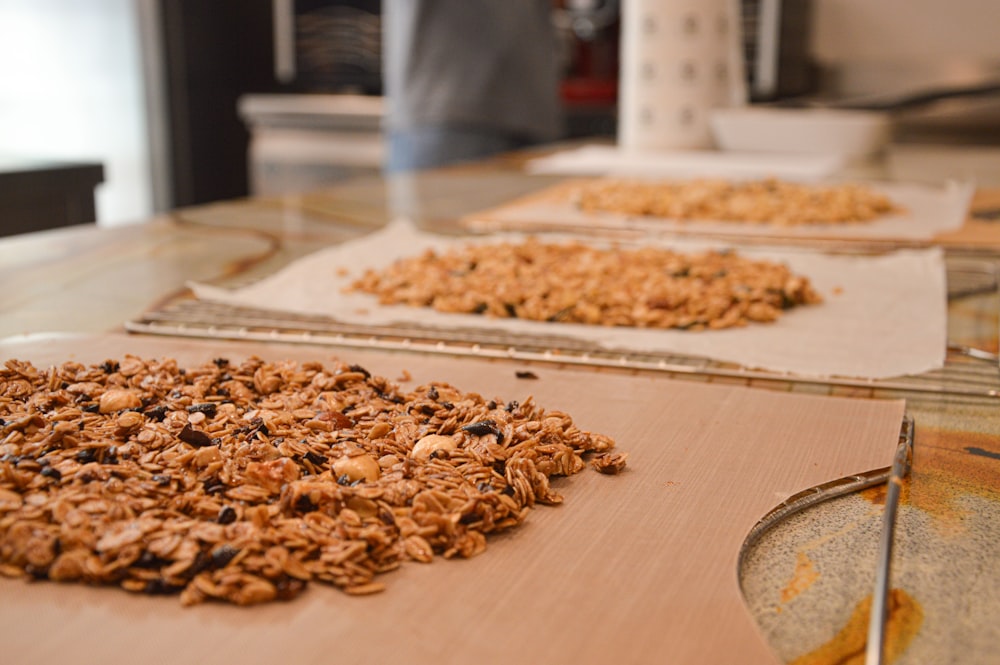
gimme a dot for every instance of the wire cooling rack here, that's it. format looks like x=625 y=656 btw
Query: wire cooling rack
x=969 y=374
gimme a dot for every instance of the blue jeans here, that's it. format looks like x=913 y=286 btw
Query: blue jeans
x=427 y=147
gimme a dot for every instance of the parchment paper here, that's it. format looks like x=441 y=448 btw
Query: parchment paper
x=927 y=210
x=883 y=316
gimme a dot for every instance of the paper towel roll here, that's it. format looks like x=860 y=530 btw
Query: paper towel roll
x=679 y=59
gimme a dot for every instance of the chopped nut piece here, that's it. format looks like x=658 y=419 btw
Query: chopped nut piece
x=432 y=443
x=357 y=467
x=379 y=430
x=116 y=400
x=130 y=421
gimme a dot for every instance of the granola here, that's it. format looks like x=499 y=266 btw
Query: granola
x=577 y=283
x=244 y=482
x=768 y=201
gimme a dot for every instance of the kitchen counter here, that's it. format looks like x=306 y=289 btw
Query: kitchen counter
x=802 y=579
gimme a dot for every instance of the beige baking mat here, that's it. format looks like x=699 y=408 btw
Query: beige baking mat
x=927 y=211
x=883 y=316
x=635 y=568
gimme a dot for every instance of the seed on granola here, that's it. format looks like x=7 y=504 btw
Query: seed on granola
x=52 y=473
x=194 y=437
x=208 y=408
x=226 y=516
x=483 y=428
x=315 y=457
x=222 y=555
x=379 y=430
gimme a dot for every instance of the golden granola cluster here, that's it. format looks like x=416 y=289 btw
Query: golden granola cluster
x=244 y=482
x=578 y=283
x=769 y=201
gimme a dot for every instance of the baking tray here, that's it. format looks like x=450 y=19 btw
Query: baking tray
x=927 y=213
x=634 y=567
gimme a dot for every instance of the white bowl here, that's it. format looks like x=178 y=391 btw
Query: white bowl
x=853 y=135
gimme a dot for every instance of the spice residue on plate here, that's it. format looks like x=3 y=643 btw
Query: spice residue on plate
x=848 y=646
x=803 y=577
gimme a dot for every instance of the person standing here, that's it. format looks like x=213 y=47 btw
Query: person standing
x=465 y=79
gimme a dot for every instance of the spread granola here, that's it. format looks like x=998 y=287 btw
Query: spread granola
x=768 y=201
x=577 y=283
x=244 y=482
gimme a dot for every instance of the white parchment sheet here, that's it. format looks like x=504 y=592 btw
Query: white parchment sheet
x=882 y=316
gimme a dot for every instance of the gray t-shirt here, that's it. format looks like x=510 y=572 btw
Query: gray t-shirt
x=477 y=64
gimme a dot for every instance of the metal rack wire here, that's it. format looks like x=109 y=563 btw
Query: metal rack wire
x=968 y=375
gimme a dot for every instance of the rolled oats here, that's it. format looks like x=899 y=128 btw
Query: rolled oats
x=610 y=463
x=768 y=201
x=244 y=482
x=577 y=283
